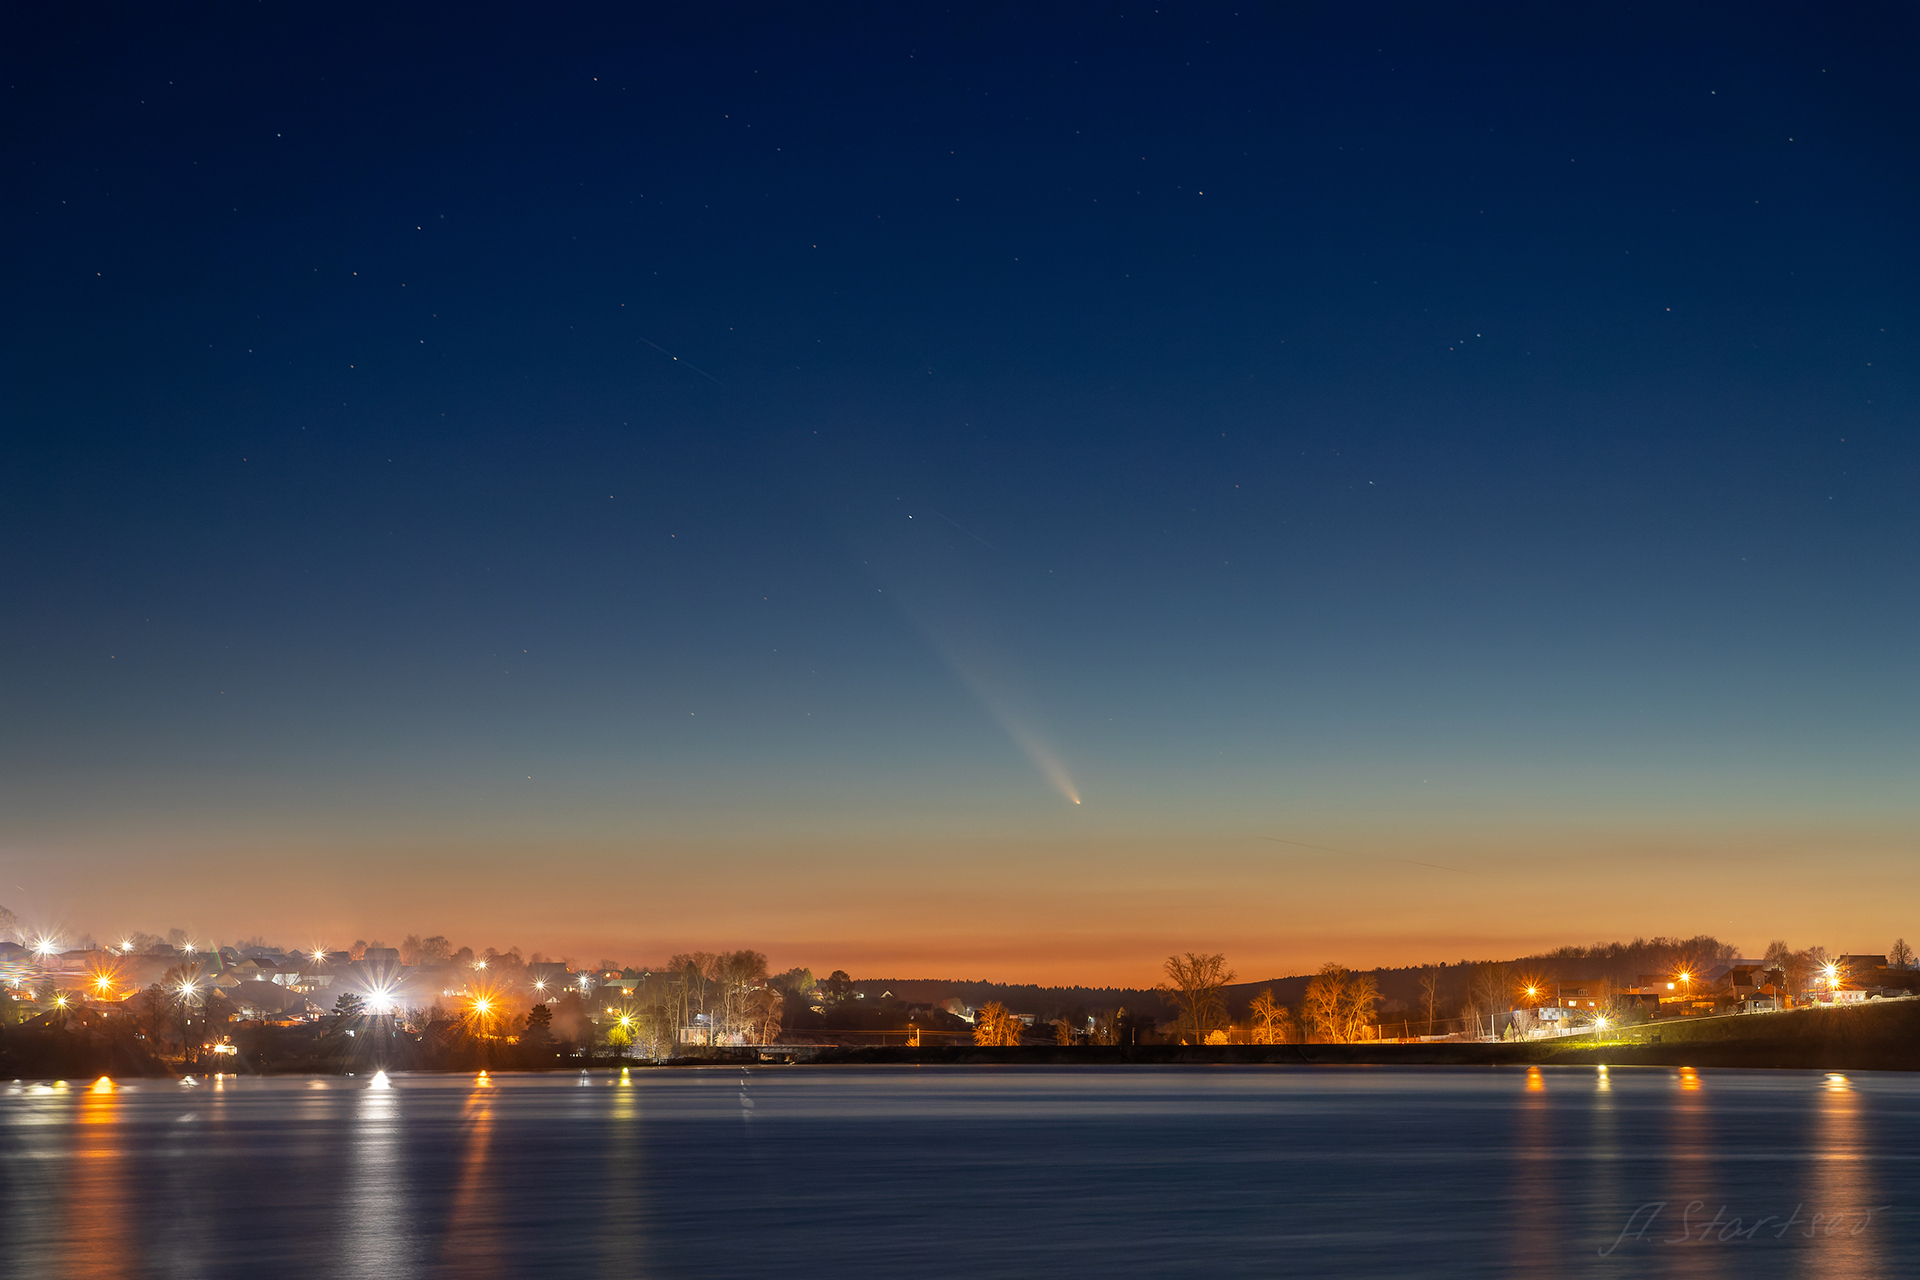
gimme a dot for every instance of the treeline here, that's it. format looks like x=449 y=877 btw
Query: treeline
x=1623 y=962
x=1045 y=1002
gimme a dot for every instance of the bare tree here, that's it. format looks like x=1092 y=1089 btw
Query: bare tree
x=1796 y=968
x=1062 y=1031
x=691 y=978
x=1900 y=955
x=1272 y=1021
x=740 y=975
x=993 y=1025
x=1430 y=993
x=1487 y=993
x=1357 y=1006
x=1193 y=984
x=1321 y=1008
x=765 y=1007
x=1339 y=1005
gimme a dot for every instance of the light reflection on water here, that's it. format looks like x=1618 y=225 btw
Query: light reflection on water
x=1844 y=1183
x=953 y=1172
x=467 y=1246
x=372 y=1234
x=96 y=1229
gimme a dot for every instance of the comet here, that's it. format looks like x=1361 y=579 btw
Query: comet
x=1031 y=744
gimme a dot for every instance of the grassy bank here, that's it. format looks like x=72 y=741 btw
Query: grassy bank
x=1878 y=1037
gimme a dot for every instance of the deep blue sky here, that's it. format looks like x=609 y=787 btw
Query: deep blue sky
x=1478 y=437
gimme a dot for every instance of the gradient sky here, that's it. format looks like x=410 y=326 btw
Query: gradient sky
x=629 y=480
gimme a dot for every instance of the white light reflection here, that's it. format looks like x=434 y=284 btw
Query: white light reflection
x=374 y=1235
x=620 y=1239
x=1844 y=1186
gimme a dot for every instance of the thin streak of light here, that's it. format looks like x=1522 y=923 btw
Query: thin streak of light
x=962 y=528
x=690 y=364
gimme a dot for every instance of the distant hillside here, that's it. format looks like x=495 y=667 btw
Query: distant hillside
x=1399 y=988
x=1623 y=962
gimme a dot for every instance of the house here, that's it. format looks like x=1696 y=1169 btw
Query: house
x=1592 y=993
x=1861 y=971
x=267 y=1000
x=549 y=977
x=1748 y=980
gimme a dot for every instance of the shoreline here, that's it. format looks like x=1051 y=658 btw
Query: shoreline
x=1878 y=1037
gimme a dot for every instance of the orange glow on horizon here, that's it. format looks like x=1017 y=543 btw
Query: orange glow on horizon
x=845 y=915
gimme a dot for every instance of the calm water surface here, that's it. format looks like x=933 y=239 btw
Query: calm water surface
x=954 y=1171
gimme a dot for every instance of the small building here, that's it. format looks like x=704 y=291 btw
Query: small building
x=1861 y=971
x=550 y=977
x=1589 y=993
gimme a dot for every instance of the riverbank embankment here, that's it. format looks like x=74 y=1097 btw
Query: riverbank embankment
x=1875 y=1037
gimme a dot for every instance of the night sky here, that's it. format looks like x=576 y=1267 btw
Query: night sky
x=622 y=481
